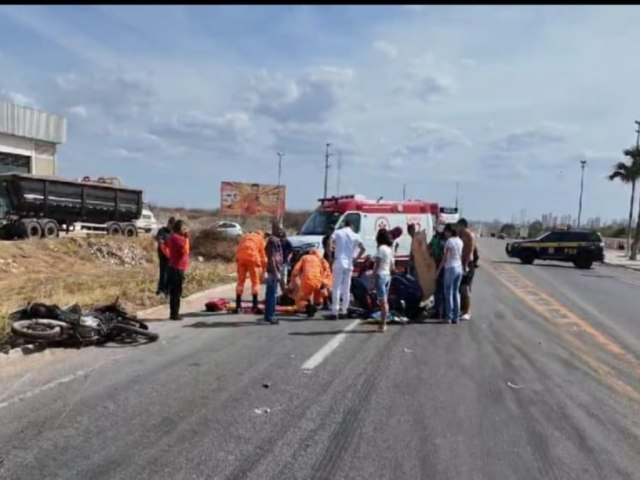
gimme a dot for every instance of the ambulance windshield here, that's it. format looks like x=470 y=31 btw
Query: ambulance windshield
x=320 y=223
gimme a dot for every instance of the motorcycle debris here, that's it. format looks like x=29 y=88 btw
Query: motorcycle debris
x=266 y=385
x=406 y=350
x=514 y=386
x=261 y=410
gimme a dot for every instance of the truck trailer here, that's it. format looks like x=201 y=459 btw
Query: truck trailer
x=33 y=206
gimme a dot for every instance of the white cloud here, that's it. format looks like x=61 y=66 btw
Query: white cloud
x=201 y=129
x=386 y=49
x=310 y=98
x=525 y=139
x=427 y=87
x=78 y=111
x=120 y=95
x=18 y=98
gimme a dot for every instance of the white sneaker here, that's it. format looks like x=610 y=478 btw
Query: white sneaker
x=466 y=316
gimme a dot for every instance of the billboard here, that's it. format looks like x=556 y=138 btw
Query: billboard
x=251 y=199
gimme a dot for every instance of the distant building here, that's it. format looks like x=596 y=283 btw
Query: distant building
x=546 y=220
x=29 y=139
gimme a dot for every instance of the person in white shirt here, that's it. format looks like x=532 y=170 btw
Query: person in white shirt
x=345 y=242
x=452 y=264
x=385 y=264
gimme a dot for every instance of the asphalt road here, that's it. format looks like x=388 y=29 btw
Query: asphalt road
x=543 y=382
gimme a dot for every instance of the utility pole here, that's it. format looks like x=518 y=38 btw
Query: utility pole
x=339 y=172
x=583 y=163
x=280 y=155
x=404 y=191
x=326 y=168
x=631 y=247
x=457 y=188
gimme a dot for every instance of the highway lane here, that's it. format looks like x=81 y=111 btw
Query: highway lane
x=608 y=295
x=514 y=393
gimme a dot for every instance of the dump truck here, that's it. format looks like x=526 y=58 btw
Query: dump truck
x=33 y=206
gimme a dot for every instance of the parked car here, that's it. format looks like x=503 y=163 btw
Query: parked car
x=147 y=222
x=228 y=229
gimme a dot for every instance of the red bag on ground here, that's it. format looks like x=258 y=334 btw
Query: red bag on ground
x=216 y=305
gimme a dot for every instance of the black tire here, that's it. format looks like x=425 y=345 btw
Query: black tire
x=152 y=336
x=114 y=229
x=29 y=229
x=130 y=230
x=527 y=258
x=41 y=329
x=50 y=229
x=583 y=263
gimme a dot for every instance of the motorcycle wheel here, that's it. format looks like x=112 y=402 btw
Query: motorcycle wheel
x=152 y=336
x=41 y=329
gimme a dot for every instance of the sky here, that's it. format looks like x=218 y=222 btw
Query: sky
x=504 y=100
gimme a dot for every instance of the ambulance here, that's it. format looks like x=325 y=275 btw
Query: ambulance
x=367 y=216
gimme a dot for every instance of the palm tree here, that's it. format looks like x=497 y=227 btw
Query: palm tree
x=629 y=173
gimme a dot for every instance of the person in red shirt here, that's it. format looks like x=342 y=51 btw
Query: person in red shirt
x=179 y=249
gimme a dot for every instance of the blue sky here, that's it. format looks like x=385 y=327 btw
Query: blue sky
x=173 y=99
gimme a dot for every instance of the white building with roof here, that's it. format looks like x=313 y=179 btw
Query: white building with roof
x=29 y=139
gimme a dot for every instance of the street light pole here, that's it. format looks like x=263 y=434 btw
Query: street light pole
x=326 y=168
x=583 y=163
x=404 y=191
x=280 y=155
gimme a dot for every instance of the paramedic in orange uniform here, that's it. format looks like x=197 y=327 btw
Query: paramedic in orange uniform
x=312 y=271
x=251 y=259
x=251 y=201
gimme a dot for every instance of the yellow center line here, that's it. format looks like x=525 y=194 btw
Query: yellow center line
x=552 y=310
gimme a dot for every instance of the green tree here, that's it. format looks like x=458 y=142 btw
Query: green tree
x=536 y=229
x=509 y=229
x=629 y=173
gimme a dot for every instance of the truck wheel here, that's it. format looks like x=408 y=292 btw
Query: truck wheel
x=130 y=230
x=29 y=229
x=114 y=229
x=50 y=229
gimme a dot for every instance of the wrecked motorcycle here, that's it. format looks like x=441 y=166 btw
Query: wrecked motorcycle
x=50 y=323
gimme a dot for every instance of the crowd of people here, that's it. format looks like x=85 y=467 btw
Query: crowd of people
x=453 y=248
x=268 y=258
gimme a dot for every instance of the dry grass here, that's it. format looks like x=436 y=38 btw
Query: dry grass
x=65 y=271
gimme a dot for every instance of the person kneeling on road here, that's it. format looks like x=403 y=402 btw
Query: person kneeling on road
x=250 y=259
x=179 y=249
x=311 y=272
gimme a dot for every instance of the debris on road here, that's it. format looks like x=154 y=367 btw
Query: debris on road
x=406 y=350
x=266 y=385
x=514 y=386
x=261 y=410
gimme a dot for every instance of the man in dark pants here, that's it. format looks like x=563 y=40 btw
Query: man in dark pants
x=436 y=249
x=179 y=250
x=469 y=260
x=163 y=257
x=274 y=271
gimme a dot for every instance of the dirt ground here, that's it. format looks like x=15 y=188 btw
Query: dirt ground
x=94 y=270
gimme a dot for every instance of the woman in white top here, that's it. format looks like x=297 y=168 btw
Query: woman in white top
x=452 y=264
x=385 y=264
